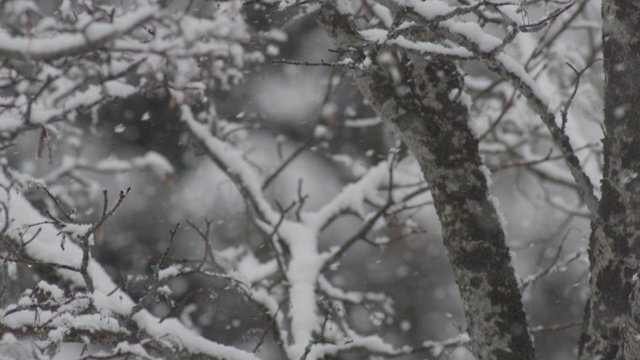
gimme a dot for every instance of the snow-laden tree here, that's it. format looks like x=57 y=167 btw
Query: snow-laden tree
x=467 y=90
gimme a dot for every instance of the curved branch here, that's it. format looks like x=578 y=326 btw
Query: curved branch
x=93 y=36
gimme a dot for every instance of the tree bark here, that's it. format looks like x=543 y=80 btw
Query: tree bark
x=611 y=326
x=423 y=107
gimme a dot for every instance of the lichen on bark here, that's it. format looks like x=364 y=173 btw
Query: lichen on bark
x=435 y=128
x=610 y=326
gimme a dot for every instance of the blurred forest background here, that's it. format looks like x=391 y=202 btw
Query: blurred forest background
x=283 y=106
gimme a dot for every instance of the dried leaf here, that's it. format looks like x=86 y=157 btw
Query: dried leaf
x=42 y=142
x=99 y=236
x=168 y=180
x=172 y=102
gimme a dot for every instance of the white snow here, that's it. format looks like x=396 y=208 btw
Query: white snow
x=46 y=247
x=428 y=9
x=362 y=123
x=473 y=32
x=374 y=35
x=76 y=231
x=168 y=272
x=36 y=48
x=231 y=158
x=518 y=69
x=352 y=197
x=430 y=48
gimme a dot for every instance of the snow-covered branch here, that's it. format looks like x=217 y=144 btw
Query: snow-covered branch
x=304 y=262
x=87 y=37
x=438 y=17
x=287 y=197
x=106 y=298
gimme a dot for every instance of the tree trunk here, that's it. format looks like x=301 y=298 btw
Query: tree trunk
x=423 y=106
x=610 y=329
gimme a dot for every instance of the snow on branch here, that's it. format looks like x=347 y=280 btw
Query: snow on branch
x=440 y=19
x=352 y=198
x=86 y=55
x=231 y=162
x=78 y=41
x=106 y=300
x=151 y=160
x=296 y=249
x=63 y=69
x=515 y=73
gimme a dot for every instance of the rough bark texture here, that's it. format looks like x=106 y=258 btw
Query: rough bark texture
x=422 y=105
x=611 y=327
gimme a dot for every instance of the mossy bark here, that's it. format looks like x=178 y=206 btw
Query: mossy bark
x=611 y=327
x=423 y=105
